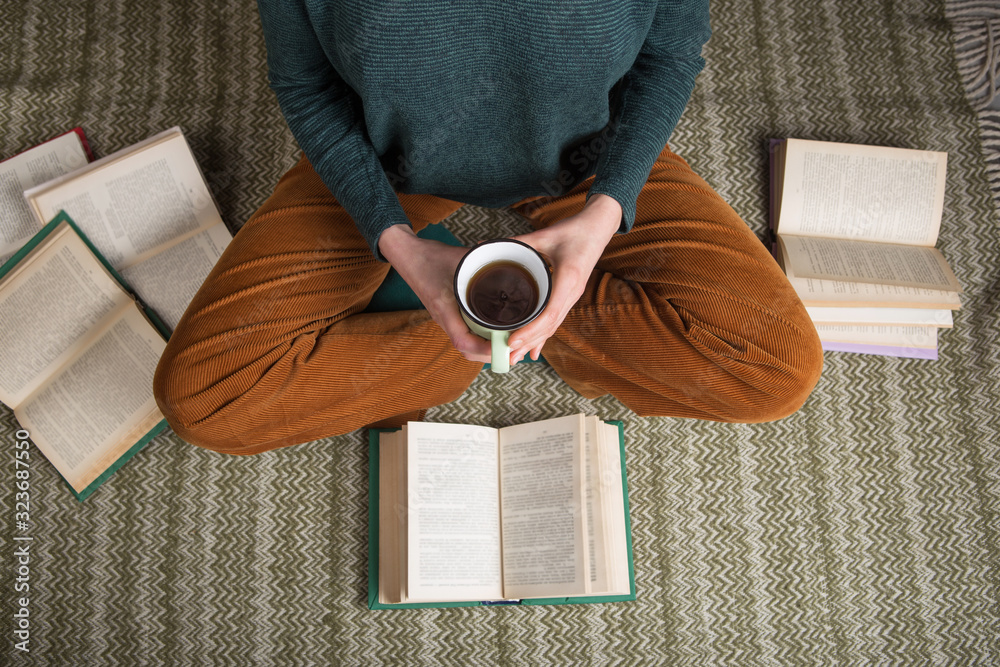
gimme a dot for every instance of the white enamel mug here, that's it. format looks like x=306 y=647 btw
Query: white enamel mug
x=481 y=256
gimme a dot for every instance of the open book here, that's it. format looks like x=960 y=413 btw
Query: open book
x=60 y=155
x=855 y=228
x=77 y=356
x=77 y=352
x=149 y=212
x=466 y=515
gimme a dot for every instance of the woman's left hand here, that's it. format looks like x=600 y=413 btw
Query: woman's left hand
x=572 y=246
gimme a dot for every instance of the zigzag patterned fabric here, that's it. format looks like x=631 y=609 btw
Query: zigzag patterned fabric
x=863 y=529
x=976 y=26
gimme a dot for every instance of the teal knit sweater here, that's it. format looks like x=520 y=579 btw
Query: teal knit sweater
x=484 y=102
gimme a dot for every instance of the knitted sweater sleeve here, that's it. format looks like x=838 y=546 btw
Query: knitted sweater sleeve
x=326 y=117
x=654 y=93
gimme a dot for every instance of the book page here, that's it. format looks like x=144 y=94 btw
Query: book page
x=453 y=530
x=815 y=292
x=33 y=167
x=134 y=202
x=543 y=511
x=930 y=317
x=400 y=510
x=613 y=494
x=842 y=293
x=100 y=403
x=167 y=281
x=866 y=193
x=896 y=336
x=50 y=303
x=597 y=533
x=866 y=262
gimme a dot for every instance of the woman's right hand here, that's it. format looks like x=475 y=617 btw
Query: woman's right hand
x=428 y=267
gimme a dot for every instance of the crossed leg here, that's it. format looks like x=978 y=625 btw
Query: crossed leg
x=686 y=315
x=274 y=349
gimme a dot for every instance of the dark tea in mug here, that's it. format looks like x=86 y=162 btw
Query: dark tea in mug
x=502 y=293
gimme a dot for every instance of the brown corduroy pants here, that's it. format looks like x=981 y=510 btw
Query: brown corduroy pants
x=687 y=315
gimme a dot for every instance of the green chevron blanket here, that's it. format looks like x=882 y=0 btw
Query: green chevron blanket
x=863 y=529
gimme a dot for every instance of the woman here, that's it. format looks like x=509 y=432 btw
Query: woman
x=407 y=110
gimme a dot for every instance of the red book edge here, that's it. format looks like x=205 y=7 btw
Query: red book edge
x=83 y=140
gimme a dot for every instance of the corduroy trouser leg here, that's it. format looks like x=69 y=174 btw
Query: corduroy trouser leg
x=686 y=315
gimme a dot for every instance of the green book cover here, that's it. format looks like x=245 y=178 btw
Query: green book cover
x=41 y=235
x=373 y=528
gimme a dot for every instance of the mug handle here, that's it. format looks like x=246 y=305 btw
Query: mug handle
x=500 y=353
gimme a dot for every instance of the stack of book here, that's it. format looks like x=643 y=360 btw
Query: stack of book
x=854 y=228
x=98 y=261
